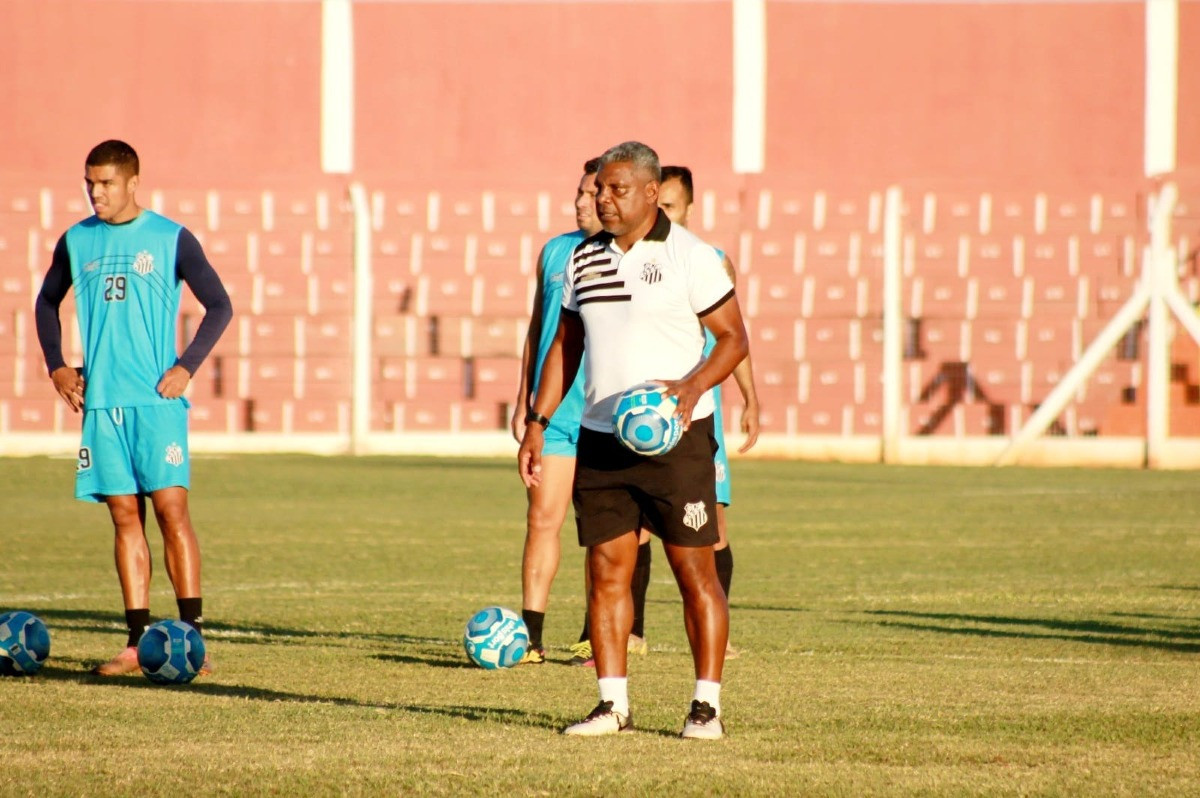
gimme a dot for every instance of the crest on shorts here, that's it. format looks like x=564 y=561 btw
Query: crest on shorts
x=695 y=515
x=175 y=454
x=143 y=264
x=720 y=469
x=651 y=273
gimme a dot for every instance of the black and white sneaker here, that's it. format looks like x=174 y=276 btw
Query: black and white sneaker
x=601 y=720
x=702 y=723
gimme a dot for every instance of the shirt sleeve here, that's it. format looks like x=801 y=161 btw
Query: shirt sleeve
x=45 y=308
x=569 y=302
x=708 y=283
x=194 y=269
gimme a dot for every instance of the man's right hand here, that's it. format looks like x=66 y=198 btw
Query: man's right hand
x=69 y=383
x=529 y=456
x=517 y=423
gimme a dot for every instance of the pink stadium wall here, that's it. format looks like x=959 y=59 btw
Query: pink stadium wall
x=226 y=93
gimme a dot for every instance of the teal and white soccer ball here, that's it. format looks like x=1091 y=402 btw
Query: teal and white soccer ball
x=496 y=637
x=24 y=643
x=644 y=420
x=170 y=652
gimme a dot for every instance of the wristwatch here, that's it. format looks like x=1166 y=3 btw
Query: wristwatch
x=533 y=416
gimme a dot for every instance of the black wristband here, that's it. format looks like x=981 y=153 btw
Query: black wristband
x=533 y=416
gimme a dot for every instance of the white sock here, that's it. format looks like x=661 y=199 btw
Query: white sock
x=710 y=692
x=616 y=690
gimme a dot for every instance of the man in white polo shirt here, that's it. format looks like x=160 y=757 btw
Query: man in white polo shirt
x=637 y=299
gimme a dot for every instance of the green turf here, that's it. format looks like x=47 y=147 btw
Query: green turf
x=906 y=631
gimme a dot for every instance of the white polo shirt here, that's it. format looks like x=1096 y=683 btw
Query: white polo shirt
x=641 y=312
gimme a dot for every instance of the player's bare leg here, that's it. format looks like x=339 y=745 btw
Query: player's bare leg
x=610 y=602
x=182 y=552
x=132 y=556
x=705 y=611
x=548 y=505
x=179 y=540
x=610 y=618
x=706 y=619
x=721 y=549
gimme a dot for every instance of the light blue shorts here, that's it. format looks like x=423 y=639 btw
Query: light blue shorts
x=132 y=451
x=721 y=458
x=561 y=439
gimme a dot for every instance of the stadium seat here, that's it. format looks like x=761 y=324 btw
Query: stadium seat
x=40 y=414
x=826 y=341
x=492 y=379
x=509 y=211
x=493 y=336
x=268 y=414
x=480 y=417
x=776 y=255
x=440 y=378
x=324 y=378
x=947 y=212
x=396 y=335
x=327 y=335
x=448 y=295
x=454 y=212
x=442 y=254
x=938 y=298
x=284 y=295
x=61 y=208
x=936 y=257
x=939 y=340
x=776 y=338
x=1000 y=295
x=237 y=210
x=392 y=380
x=275 y=255
x=424 y=415
x=838 y=296
x=320 y=415
x=449 y=336
x=397 y=211
x=495 y=255
x=331 y=295
x=228 y=253
x=782 y=208
x=264 y=377
x=825 y=414
x=217 y=416
x=193 y=208
x=506 y=296
x=717 y=216
x=268 y=335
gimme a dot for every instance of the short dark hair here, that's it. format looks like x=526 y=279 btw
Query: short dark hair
x=683 y=175
x=634 y=152
x=591 y=166
x=114 y=152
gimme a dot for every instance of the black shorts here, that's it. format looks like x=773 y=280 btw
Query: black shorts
x=673 y=494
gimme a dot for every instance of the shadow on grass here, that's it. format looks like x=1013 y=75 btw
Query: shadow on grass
x=1091 y=632
x=431 y=661
x=734 y=605
x=503 y=715
x=252 y=634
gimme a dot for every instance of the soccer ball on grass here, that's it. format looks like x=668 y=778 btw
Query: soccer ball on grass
x=496 y=637
x=170 y=652
x=24 y=643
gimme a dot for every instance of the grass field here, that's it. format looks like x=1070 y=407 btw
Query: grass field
x=906 y=631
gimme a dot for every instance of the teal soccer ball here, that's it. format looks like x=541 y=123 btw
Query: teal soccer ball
x=24 y=643
x=496 y=637
x=644 y=420
x=170 y=652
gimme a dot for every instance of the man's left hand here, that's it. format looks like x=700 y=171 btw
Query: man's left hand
x=174 y=382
